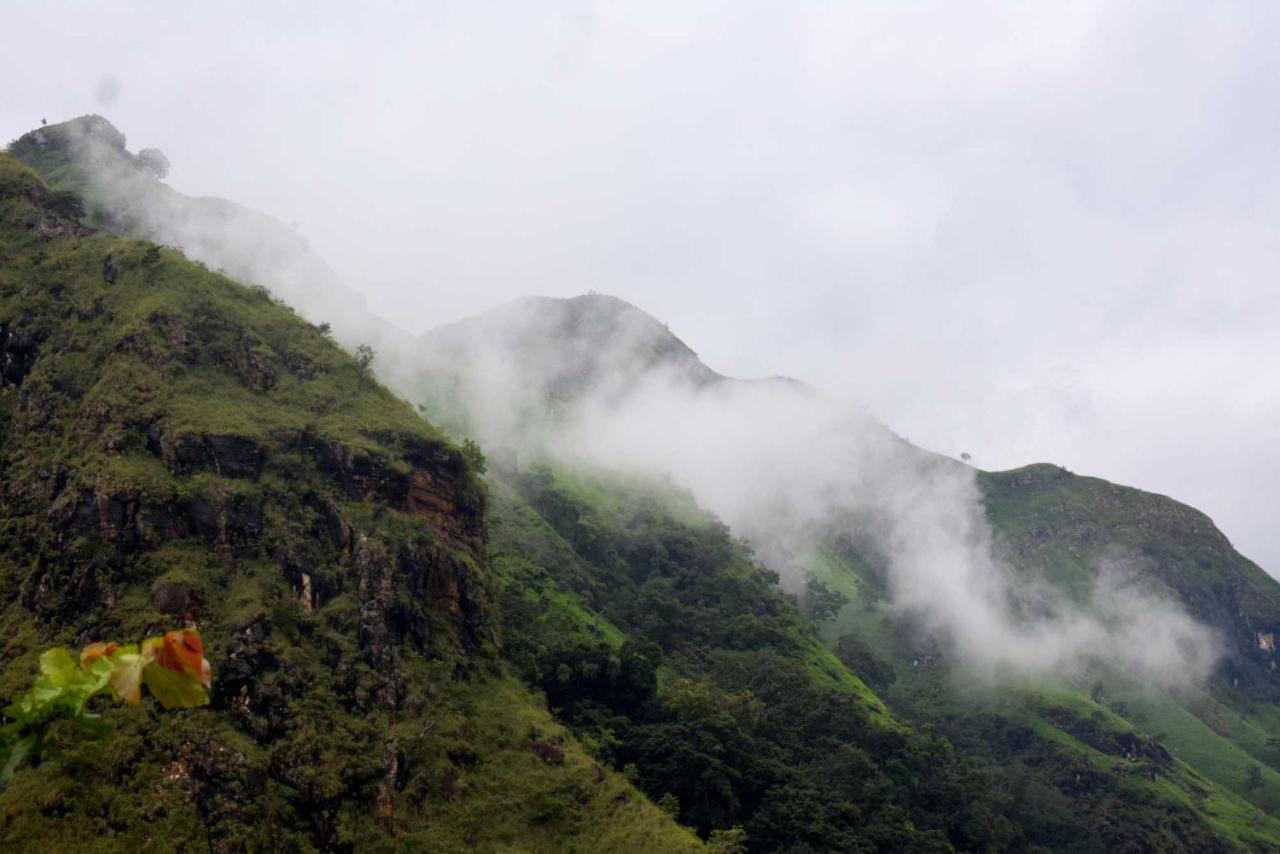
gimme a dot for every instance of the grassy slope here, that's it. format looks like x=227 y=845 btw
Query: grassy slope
x=577 y=582
x=1059 y=531
x=610 y=497
x=294 y=762
x=1081 y=519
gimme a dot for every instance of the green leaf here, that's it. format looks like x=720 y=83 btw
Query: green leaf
x=175 y=690
x=126 y=675
x=57 y=667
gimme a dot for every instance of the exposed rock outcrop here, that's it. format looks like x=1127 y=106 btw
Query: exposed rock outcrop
x=18 y=349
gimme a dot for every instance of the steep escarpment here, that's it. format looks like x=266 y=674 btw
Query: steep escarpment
x=179 y=449
x=1071 y=524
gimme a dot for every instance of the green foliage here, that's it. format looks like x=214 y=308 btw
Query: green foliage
x=719 y=701
x=63 y=688
x=820 y=602
x=179 y=446
x=364 y=359
x=173 y=667
x=728 y=841
x=861 y=659
x=474 y=456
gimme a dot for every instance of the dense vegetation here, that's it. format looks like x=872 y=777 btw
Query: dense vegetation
x=666 y=646
x=669 y=649
x=1097 y=760
x=180 y=448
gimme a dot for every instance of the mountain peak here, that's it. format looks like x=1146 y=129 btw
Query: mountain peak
x=570 y=346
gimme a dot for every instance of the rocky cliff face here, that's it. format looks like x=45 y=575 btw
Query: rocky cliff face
x=179 y=449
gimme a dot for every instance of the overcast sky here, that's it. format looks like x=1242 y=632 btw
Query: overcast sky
x=1037 y=232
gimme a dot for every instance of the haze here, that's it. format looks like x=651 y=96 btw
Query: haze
x=1029 y=234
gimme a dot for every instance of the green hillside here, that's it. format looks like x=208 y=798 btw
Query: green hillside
x=1092 y=745
x=179 y=449
x=1091 y=763
x=586 y=581
x=86 y=162
x=418 y=649
x=663 y=643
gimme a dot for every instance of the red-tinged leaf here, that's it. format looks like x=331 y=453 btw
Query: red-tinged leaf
x=175 y=671
x=95 y=651
x=183 y=651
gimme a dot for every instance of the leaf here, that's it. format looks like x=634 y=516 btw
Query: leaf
x=57 y=667
x=95 y=651
x=175 y=690
x=183 y=651
x=126 y=674
x=175 y=670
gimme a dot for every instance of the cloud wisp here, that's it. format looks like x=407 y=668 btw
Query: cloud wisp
x=785 y=466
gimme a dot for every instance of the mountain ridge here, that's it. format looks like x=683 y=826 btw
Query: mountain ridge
x=659 y=640
x=179 y=448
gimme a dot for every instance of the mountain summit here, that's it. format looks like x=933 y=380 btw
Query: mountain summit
x=568 y=348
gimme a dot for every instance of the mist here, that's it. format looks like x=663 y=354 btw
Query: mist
x=935 y=244
x=785 y=467
x=1052 y=241
x=599 y=386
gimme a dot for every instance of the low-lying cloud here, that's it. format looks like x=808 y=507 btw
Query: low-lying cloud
x=782 y=465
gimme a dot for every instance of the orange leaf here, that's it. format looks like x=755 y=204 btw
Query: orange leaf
x=181 y=651
x=94 y=651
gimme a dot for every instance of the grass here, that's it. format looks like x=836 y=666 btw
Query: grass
x=1210 y=764
x=292 y=753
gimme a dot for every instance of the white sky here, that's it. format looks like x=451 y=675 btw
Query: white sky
x=1035 y=232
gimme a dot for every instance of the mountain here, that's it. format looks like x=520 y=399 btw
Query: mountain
x=553 y=639
x=1064 y=529
x=1085 y=747
x=87 y=158
x=568 y=348
x=181 y=450
x=187 y=450
x=515 y=367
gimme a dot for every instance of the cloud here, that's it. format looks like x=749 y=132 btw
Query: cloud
x=1029 y=232
x=789 y=468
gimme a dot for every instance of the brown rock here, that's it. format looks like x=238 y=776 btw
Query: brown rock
x=548 y=752
x=174 y=599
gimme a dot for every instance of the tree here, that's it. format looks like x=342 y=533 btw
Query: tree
x=153 y=162
x=965 y=456
x=731 y=841
x=364 y=360
x=474 y=456
x=820 y=602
